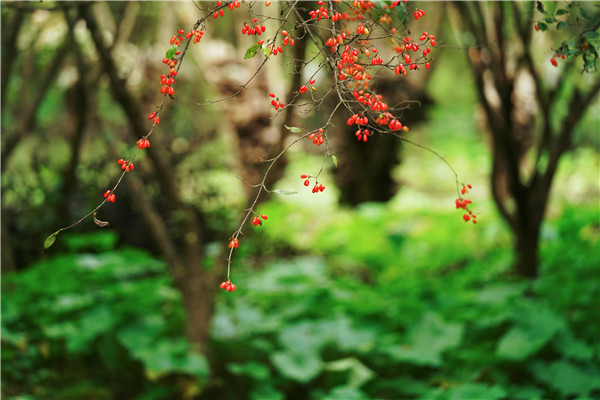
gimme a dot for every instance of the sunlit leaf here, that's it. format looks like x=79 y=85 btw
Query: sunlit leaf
x=284 y=192
x=251 y=52
x=267 y=51
x=301 y=367
x=294 y=129
x=171 y=52
x=334 y=159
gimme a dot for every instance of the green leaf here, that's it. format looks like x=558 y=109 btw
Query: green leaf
x=568 y=378
x=402 y=14
x=50 y=240
x=171 y=52
x=294 y=129
x=429 y=338
x=572 y=347
x=345 y=393
x=301 y=367
x=359 y=373
x=251 y=52
x=561 y=25
x=550 y=20
x=584 y=13
x=476 y=391
x=284 y=192
x=561 y=11
x=535 y=327
x=543 y=26
x=334 y=159
x=266 y=50
x=591 y=35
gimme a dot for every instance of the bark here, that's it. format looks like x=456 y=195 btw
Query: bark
x=512 y=136
x=365 y=172
x=184 y=255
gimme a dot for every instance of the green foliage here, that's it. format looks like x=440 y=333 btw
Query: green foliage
x=378 y=318
x=117 y=308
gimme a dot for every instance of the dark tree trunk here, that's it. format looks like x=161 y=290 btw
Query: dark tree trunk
x=521 y=199
x=365 y=172
x=526 y=249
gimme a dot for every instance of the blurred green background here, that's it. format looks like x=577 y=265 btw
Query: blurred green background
x=336 y=299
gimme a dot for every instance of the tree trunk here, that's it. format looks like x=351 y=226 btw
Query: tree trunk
x=198 y=288
x=527 y=237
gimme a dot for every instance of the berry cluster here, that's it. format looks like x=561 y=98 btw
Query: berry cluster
x=227 y=285
x=316 y=137
x=464 y=204
x=253 y=30
x=304 y=89
x=257 y=220
x=143 y=143
x=275 y=102
x=320 y=13
x=153 y=116
x=221 y=12
x=125 y=166
x=316 y=188
x=287 y=39
x=109 y=196
x=234 y=243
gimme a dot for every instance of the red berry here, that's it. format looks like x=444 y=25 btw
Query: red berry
x=303 y=176
x=264 y=216
x=306 y=182
x=107 y=193
x=152 y=115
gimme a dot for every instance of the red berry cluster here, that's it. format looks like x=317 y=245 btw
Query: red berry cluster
x=317 y=188
x=125 y=166
x=409 y=44
x=221 y=12
x=287 y=39
x=304 y=89
x=253 y=30
x=257 y=220
x=275 y=102
x=320 y=13
x=227 y=285
x=553 y=60
x=334 y=41
x=361 y=134
x=419 y=14
x=392 y=123
x=464 y=204
x=109 y=196
x=143 y=143
x=153 y=116
x=234 y=243
x=317 y=137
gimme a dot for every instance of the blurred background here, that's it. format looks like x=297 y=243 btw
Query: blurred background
x=375 y=288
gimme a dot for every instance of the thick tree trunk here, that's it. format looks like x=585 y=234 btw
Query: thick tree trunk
x=365 y=172
x=526 y=249
x=198 y=288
